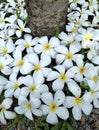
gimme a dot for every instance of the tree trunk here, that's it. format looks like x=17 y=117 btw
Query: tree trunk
x=46 y=16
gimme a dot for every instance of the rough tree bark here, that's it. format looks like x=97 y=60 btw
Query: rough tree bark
x=46 y=16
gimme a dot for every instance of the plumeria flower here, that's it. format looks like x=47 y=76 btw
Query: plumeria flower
x=27 y=43
x=21 y=28
x=20 y=63
x=92 y=74
x=77 y=102
x=4 y=112
x=3 y=82
x=60 y=77
x=12 y=87
x=93 y=5
x=47 y=47
x=4 y=65
x=80 y=70
x=93 y=94
x=70 y=27
x=6 y=47
x=32 y=87
x=73 y=3
x=96 y=18
x=53 y=108
x=67 y=56
x=87 y=35
x=28 y=107
x=39 y=66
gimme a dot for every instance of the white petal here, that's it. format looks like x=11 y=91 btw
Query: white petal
x=10 y=115
x=54 y=42
x=61 y=49
x=86 y=108
x=33 y=58
x=76 y=112
x=20 y=110
x=22 y=100
x=37 y=112
x=52 y=118
x=57 y=85
x=74 y=88
x=45 y=109
x=45 y=60
x=38 y=49
x=35 y=102
x=2 y=119
x=96 y=103
x=69 y=101
x=96 y=60
x=27 y=30
x=60 y=68
x=3 y=80
x=60 y=58
x=38 y=76
x=28 y=114
x=62 y=113
x=47 y=98
x=43 y=40
x=9 y=92
x=52 y=75
x=7 y=103
x=59 y=97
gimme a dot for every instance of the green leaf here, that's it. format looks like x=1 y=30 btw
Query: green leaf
x=69 y=127
x=2 y=0
x=23 y=120
x=57 y=126
x=14 y=122
x=82 y=85
x=18 y=15
x=57 y=32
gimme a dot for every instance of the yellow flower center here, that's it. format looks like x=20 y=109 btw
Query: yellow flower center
x=20 y=63
x=2 y=108
x=47 y=47
x=63 y=77
x=78 y=22
x=92 y=92
x=96 y=78
x=88 y=37
x=27 y=45
x=78 y=100
x=32 y=88
x=16 y=85
x=74 y=30
x=75 y=1
x=70 y=42
x=53 y=107
x=37 y=68
x=69 y=56
x=4 y=51
x=90 y=3
x=2 y=20
x=29 y=106
x=82 y=70
x=1 y=66
x=22 y=28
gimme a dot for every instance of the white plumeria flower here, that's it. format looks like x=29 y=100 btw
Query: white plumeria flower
x=66 y=56
x=70 y=27
x=84 y=13
x=27 y=43
x=6 y=47
x=3 y=82
x=39 y=66
x=96 y=18
x=4 y=65
x=60 y=77
x=93 y=94
x=4 y=112
x=32 y=87
x=77 y=102
x=79 y=22
x=92 y=74
x=28 y=107
x=20 y=63
x=47 y=47
x=2 y=20
x=80 y=70
x=73 y=3
x=87 y=35
x=21 y=27
x=53 y=106
x=93 y=5
x=12 y=87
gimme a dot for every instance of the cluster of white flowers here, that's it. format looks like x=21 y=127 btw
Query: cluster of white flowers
x=49 y=76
